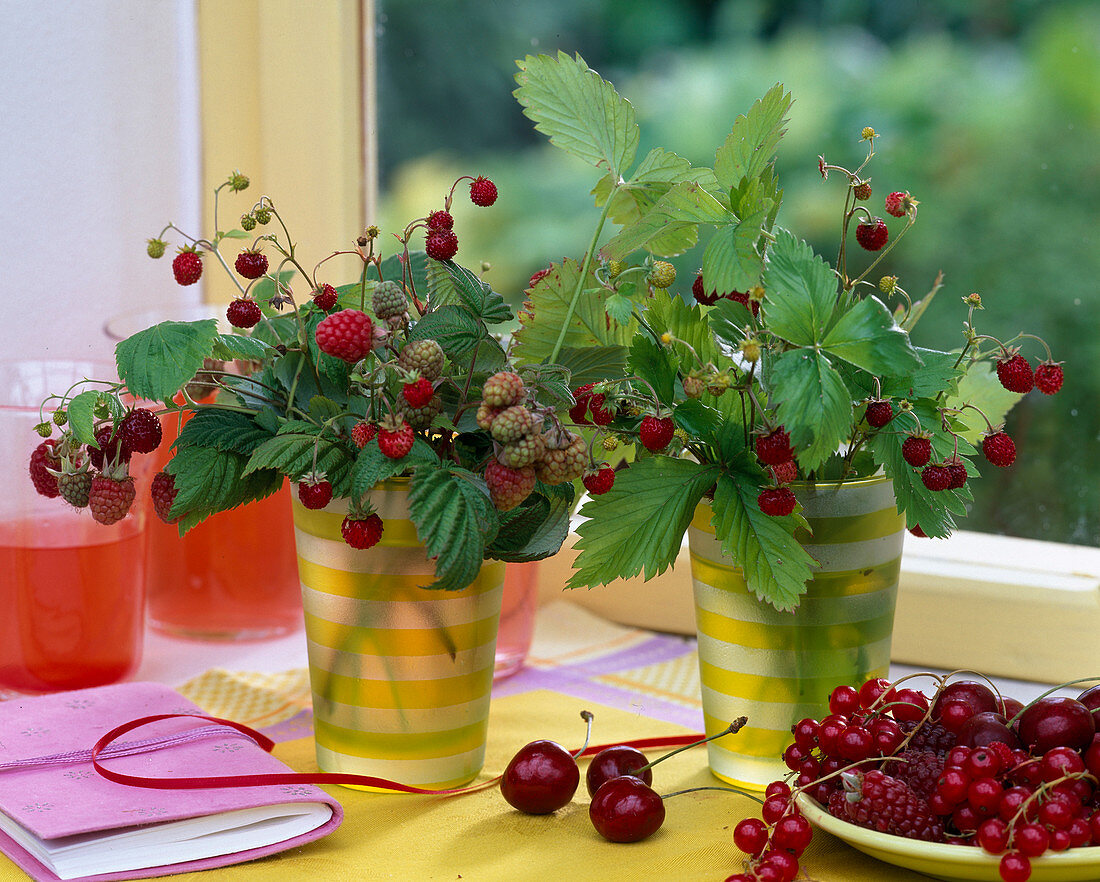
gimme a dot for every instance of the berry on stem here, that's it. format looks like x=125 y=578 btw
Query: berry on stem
x=872 y=234
x=1015 y=374
x=314 y=492
x=109 y=500
x=917 y=450
x=999 y=449
x=324 y=298
x=140 y=431
x=251 y=264
x=541 y=778
x=362 y=533
x=441 y=244
x=777 y=501
x=656 y=433
x=187 y=266
x=483 y=192
x=395 y=438
x=599 y=481
x=347 y=335
x=774 y=448
x=42 y=459
x=164 y=492
x=244 y=312
x=1049 y=377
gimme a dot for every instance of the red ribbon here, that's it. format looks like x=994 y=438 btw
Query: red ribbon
x=195 y=783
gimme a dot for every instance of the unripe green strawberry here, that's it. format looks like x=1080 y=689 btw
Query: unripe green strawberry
x=388 y=300
x=262 y=215
x=694 y=386
x=248 y=222
x=523 y=452
x=155 y=248
x=424 y=356
x=238 y=182
x=662 y=274
x=75 y=487
x=513 y=423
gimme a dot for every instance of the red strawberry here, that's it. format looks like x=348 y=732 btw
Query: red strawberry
x=862 y=190
x=957 y=470
x=325 y=297
x=774 y=448
x=418 y=393
x=314 y=493
x=999 y=449
x=362 y=533
x=872 y=234
x=583 y=396
x=110 y=500
x=918 y=532
x=187 y=266
x=164 y=493
x=936 y=477
x=655 y=433
x=898 y=203
x=483 y=192
x=244 y=312
x=599 y=481
x=700 y=294
x=396 y=443
x=1015 y=373
x=742 y=297
x=916 y=450
x=785 y=472
x=251 y=264
x=440 y=220
x=441 y=244
x=879 y=413
x=43 y=458
x=1049 y=377
x=140 y=431
x=362 y=432
x=347 y=335
x=776 y=501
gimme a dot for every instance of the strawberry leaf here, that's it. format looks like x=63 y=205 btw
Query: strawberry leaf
x=685 y=204
x=750 y=146
x=867 y=336
x=730 y=260
x=592 y=363
x=813 y=404
x=802 y=291
x=654 y=364
x=159 y=361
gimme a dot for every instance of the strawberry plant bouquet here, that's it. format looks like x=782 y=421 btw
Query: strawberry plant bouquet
x=396 y=373
x=770 y=366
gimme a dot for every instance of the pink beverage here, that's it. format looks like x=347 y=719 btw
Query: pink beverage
x=517 y=618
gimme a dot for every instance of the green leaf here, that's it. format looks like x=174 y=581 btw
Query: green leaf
x=813 y=404
x=730 y=260
x=688 y=324
x=751 y=144
x=867 y=336
x=234 y=234
x=620 y=308
x=322 y=408
x=729 y=320
x=802 y=291
x=980 y=387
x=226 y=430
x=698 y=420
x=208 y=480
x=536 y=528
x=291 y=452
x=685 y=204
x=454 y=328
x=372 y=466
x=775 y=565
x=578 y=110
x=654 y=364
x=455 y=520
x=549 y=382
x=937 y=372
x=592 y=363
x=81 y=412
x=159 y=361
x=476 y=296
x=230 y=346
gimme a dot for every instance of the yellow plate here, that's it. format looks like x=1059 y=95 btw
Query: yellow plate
x=954 y=863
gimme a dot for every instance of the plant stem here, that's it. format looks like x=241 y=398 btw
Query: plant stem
x=580 y=281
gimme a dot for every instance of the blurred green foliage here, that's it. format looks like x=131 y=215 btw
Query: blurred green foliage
x=989 y=114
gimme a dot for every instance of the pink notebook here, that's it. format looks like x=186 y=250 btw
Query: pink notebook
x=62 y=820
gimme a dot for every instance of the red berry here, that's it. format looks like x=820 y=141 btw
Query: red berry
x=999 y=449
x=140 y=431
x=1014 y=867
x=110 y=500
x=844 y=700
x=774 y=448
x=347 y=335
x=916 y=451
x=957 y=470
x=1015 y=373
x=441 y=244
x=785 y=472
x=396 y=443
x=418 y=393
x=897 y=203
x=700 y=294
x=325 y=297
x=879 y=413
x=541 y=778
x=187 y=266
x=244 y=312
x=655 y=433
x=164 y=492
x=872 y=234
x=440 y=220
x=314 y=494
x=362 y=432
x=993 y=835
x=43 y=458
x=743 y=298
x=776 y=501
x=251 y=264
x=483 y=192
x=1049 y=377
x=862 y=191
x=361 y=533
x=936 y=477
x=792 y=833
x=109 y=449
x=1031 y=839
x=599 y=482
x=589 y=404
x=751 y=836
x=508 y=487
x=870 y=692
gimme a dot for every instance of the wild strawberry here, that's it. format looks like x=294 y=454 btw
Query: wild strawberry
x=418 y=393
x=347 y=335
x=248 y=222
x=872 y=234
x=251 y=264
x=776 y=501
x=584 y=398
x=599 y=481
x=918 y=532
x=1049 y=377
x=662 y=274
x=899 y=203
x=75 y=487
x=538 y=276
x=43 y=458
x=262 y=215
x=109 y=500
x=441 y=244
x=164 y=493
x=525 y=451
x=388 y=300
x=503 y=389
x=155 y=248
x=1015 y=374
x=561 y=464
x=743 y=298
x=785 y=472
x=774 y=448
x=916 y=450
x=396 y=442
x=862 y=190
x=700 y=294
x=508 y=487
x=362 y=533
x=324 y=298
x=655 y=433
x=483 y=192
x=512 y=423
x=879 y=413
x=999 y=449
x=140 y=431
x=957 y=469
x=187 y=266
x=314 y=492
x=244 y=312
x=440 y=220
x=362 y=432
x=936 y=477
x=424 y=356
x=109 y=449
x=694 y=387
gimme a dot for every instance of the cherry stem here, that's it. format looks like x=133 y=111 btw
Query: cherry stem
x=1051 y=691
x=751 y=796
x=588 y=717
x=732 y=729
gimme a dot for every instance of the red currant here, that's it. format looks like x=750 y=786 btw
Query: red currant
x=844 y=700
x=751 y=836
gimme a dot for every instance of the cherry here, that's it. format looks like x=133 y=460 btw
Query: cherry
x=1092 y=757
x=626 y=809
x=977 y=695
x=613 y=762
x=1090 y=698
x=1009 y=707
x=1056 y=721
x=541 y=778
x=984 y=728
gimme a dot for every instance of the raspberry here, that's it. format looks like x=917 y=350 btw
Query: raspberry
x=187 y=266
x=1015 y=373
x=920 y=769
x=420 y=417
x=140 y=431
x=513 y=423
x=244 y=312
x=872 y=234
x=508 y=487
x=957 y=470
x=561 y=464
x=1049 y=377
x=362 y=533
x=347 y=335
x=109 y=500
x=43 y=458
x=538 y=276
x=440 y=220
x=155 y=248
x=930 y=735
x=362 y=432
x=999 y=449
x=862 y=191
x=776 y=501
x=314 y=493
x=396 y=443
x=441 y=244
x=898 y=203
x=785 y=472
x=774 y=448
x=486 y=415
x=164 y=492
x=423 y=356
x=418 y=393
x=879 y=413
x=248 y=223
x=936 y=477
x=251 y=264
x=75 y=488
x=388 y=300
x=599 y=481
x=325 y=297
x=662 y=274
x=878 y=801
x=523 y=452
x=699 y=292
x=503 y=389
x=110 y=448
x=655 y=433
x=483 y=192
x=916 y=451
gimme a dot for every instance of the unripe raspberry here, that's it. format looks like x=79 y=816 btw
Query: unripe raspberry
x=248 y=222
x=423 y=356
x=508 y=487
x=522 y=452
x=60 y=418
x=75 y=488
x=512 y=423
x=155 y=248
x=262 y=215
x=237 y=182
x=388 y=299
x=503 y=389
x=420 y=417
x=559 y=465
x=662 y=274
x=486 y=415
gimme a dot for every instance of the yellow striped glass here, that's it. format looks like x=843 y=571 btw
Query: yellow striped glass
x=401 y=675
x=776 y=668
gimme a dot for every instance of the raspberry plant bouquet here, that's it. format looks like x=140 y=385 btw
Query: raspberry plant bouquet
x=396 y=373
x=778 y=367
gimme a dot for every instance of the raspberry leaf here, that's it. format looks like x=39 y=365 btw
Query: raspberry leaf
x=813 y=403
x=224 y=430
x=685 y=204
x=230 y=346
x=291 y=453
x=751 y=144
x=159 y=361
x=730 y=260
x=81 y=412
x=209 y=480
x=455 y=329
x=372 y=466
x=537 y=527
